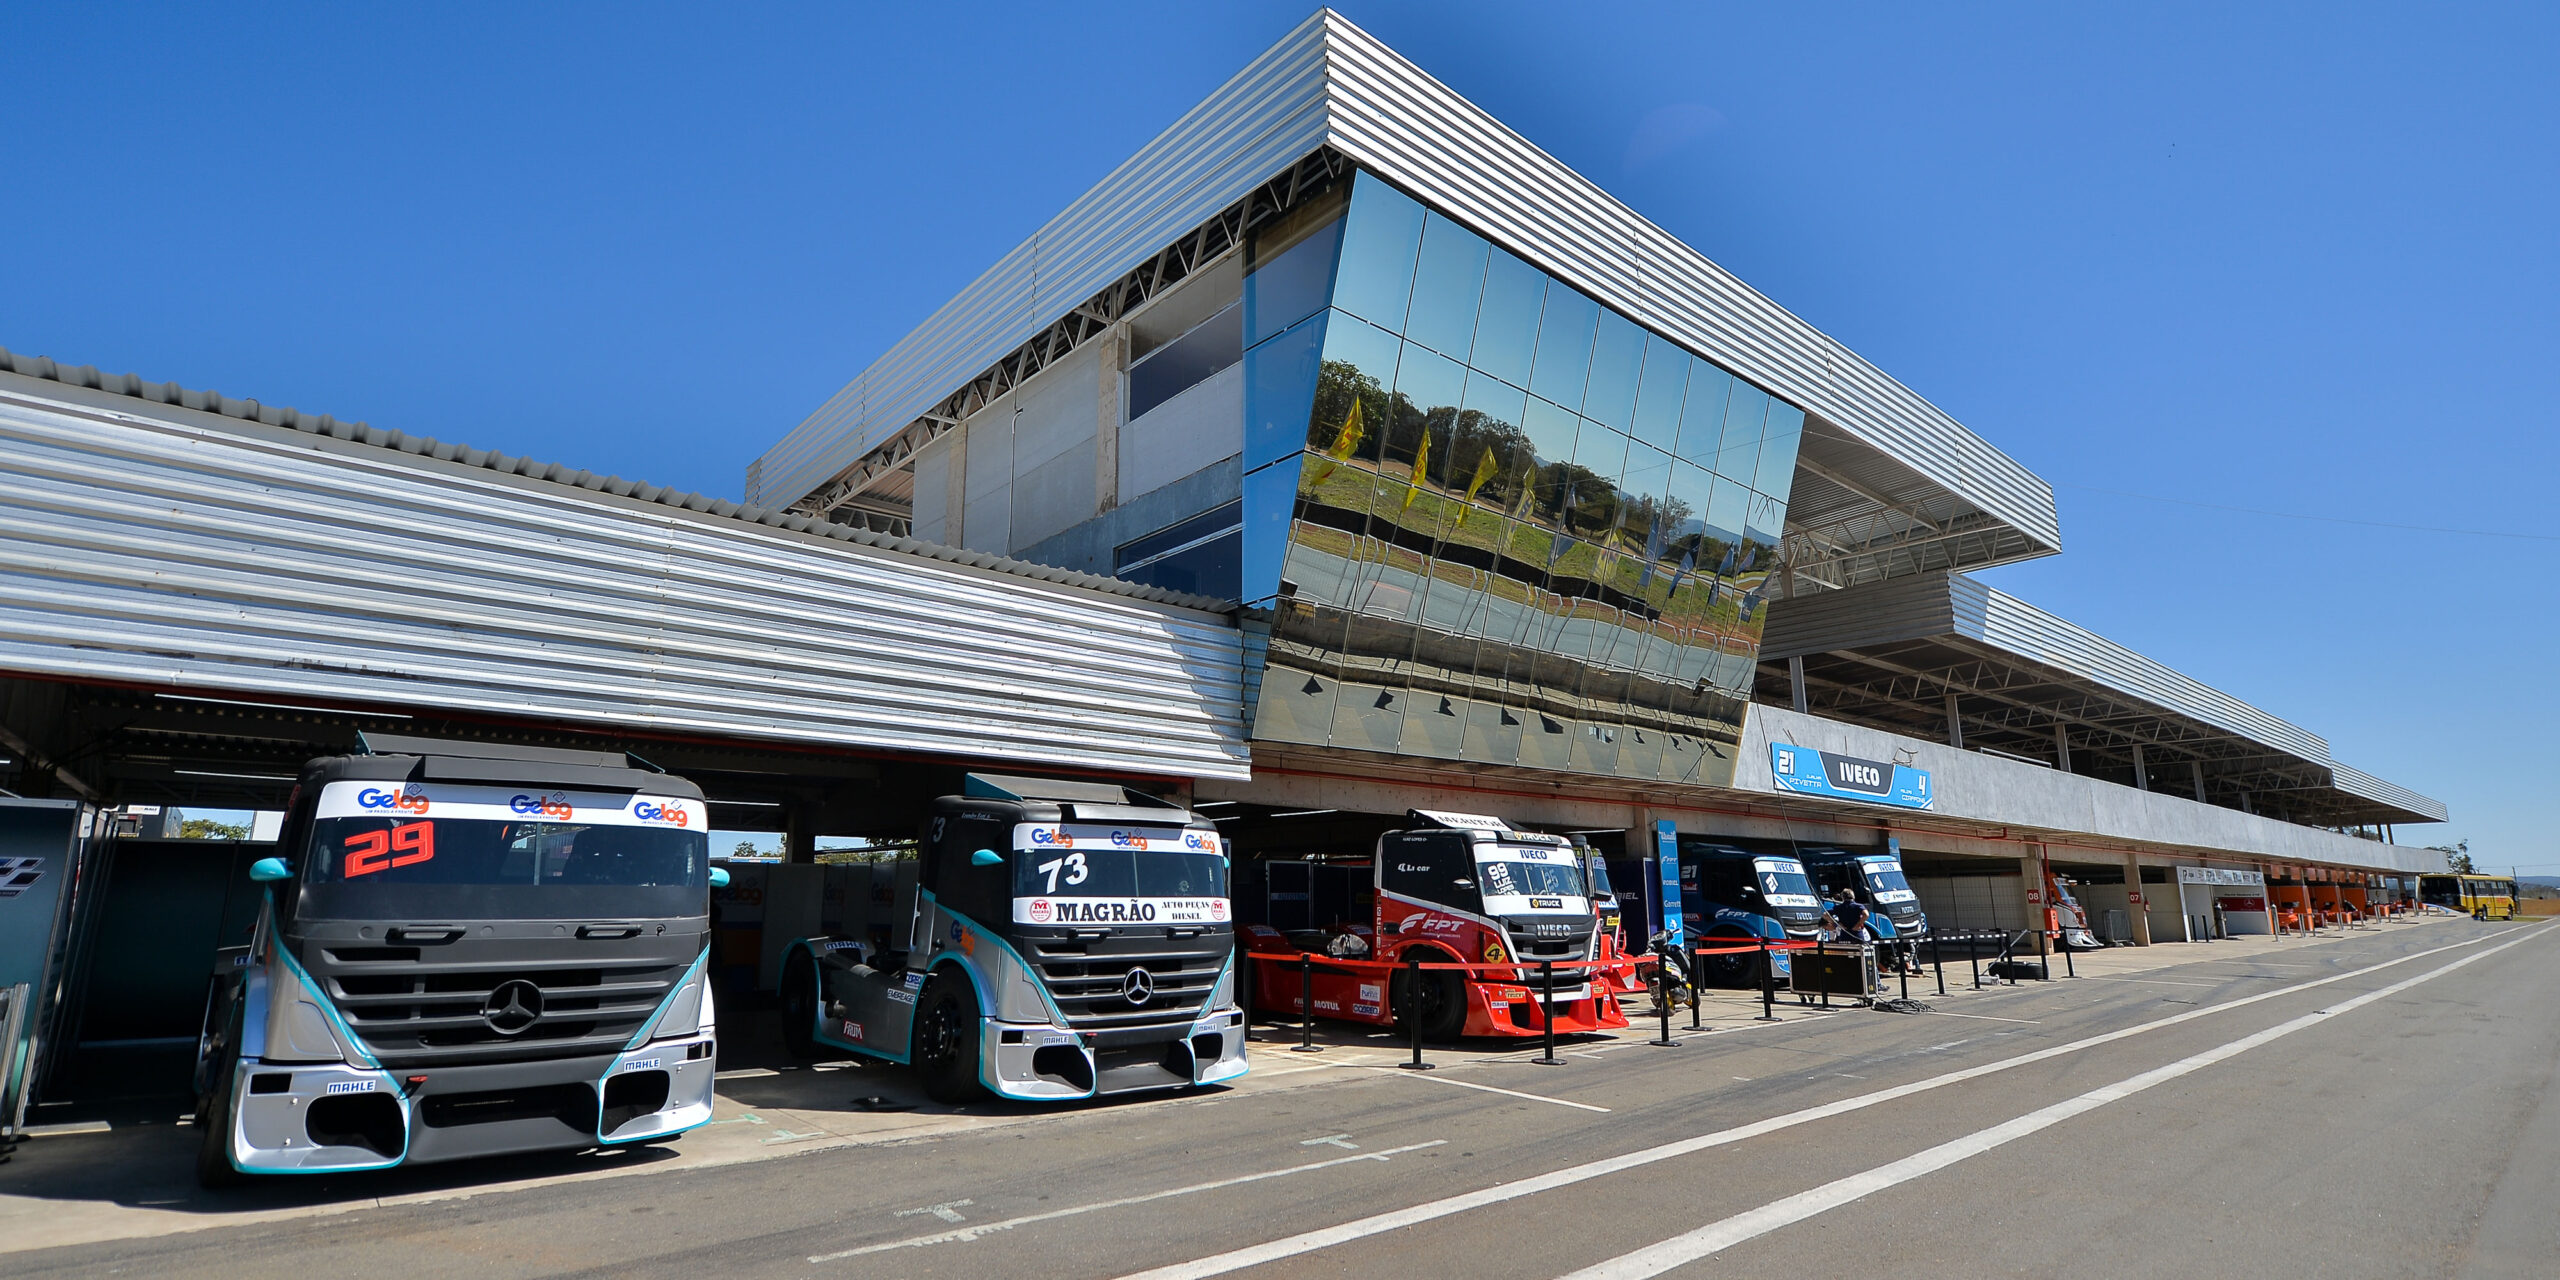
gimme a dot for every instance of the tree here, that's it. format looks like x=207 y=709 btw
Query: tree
x=745 y=849
x=2457 y=856
x=208 y=829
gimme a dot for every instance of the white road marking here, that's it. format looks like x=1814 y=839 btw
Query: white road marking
x=1984 y=1017
x=1342 y=1140
x=1715 y=1237
x=1008 y=1224
x=1508 y=1093
x=1397 y=1219
x=2157 y=982
x=948 y=1210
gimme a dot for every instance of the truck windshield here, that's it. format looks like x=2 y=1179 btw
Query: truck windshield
x=1527 y=879
x=1884 y=880
x=1600 y=878
x=1783 y=882
x=486 y=853
x=1102 y=875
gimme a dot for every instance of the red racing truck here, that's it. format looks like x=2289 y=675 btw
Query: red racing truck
x=1455 y=888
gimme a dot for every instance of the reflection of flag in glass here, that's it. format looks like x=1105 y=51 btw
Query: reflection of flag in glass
x=1652 y=553
x=1688 y=564
x=1725 y=569
x=1484 y=471
x=1564 y=525
x=1345 y=442
x=1421 y=459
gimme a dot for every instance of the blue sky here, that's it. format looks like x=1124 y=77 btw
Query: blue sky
x=2294 y=259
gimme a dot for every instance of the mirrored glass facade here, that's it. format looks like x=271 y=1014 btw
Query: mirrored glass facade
x=1489 y=519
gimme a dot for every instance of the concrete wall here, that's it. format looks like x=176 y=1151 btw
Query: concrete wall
x=1191 y=432
x=2011 y=793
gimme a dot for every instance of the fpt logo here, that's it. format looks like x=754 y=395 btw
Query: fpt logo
x=1052 y=838
x=673 y=815
x=555 y=805
x=407 y=799
x=1039 y=911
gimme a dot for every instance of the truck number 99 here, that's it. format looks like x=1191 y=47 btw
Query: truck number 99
x=372 y=851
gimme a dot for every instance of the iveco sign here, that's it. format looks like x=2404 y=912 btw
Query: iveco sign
x=1823 y=773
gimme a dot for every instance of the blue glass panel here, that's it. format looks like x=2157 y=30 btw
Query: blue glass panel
x=1564 y=344
x=1739 y=455
x=1379 y=239
x=1507 y=323
x=1702 y=416
x=1290 y=286
x=1447 y=283
x=1617 y=363
x=1777 y=474
x=1359 y=364
x=1429 y=389
x=1550 y=433
x=1280 y=391
x=1666 y=384
x=1270 y=494
x=1691 y=490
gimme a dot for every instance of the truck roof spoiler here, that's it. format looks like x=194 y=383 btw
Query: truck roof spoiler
x=997 y=786
x=462 y=760
x=1461 y=821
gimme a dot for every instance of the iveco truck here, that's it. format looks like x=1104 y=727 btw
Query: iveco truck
x=464 y=950
x=1730 y=896
x=1455 y=888
x=1047 y=940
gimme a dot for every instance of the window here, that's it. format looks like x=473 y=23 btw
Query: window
x=1201 y=555
x=1187 y=361
x=1430 y=866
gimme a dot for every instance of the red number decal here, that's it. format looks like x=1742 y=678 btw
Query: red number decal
x=416 y=840
x=366 y=853
x=372 y=851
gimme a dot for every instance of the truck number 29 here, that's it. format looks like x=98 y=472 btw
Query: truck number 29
x=1073 y=862
x=402 y=845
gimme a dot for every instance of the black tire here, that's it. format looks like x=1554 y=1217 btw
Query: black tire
x=945 y=1040
x=1740 y=969
x=1437 y=999
x=214 y=1169
x=800 y=1007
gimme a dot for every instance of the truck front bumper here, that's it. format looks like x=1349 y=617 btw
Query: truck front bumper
x=335 y=1118
x=1041 y=1062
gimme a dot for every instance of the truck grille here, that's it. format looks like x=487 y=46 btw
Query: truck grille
x=1528 y=948
x=1090 y=980
x=477 y=1000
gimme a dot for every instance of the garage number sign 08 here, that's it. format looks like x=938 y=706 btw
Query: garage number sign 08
x=1824 y=773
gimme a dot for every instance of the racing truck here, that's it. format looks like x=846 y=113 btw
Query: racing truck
x=464 y=949
x=1730 y=895
x=1875 y=880
x=1453 y=888
x=1621 y=976
x=1046 y=940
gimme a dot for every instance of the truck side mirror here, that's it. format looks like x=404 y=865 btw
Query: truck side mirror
x=719 y=877
x=986 y=858
x=267 y=870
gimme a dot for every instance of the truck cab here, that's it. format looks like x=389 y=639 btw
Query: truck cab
x=1048 y=940
x=1454 y=888
x=465 y=949
x=1875 y=880
x=1730 y=894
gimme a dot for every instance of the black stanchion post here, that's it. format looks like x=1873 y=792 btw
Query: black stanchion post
x=1973 y=957
x=2044 y=958
x=1697 y=965
x=1768 y=984
x=1822 y=969
x=1306 y=1005
x=2070 y=968
x=1906 y=980
x=1413 y=996
x=1662 y=1010
x=1938 y=960
x=1547 y=1015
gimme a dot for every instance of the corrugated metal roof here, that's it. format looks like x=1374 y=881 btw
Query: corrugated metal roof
x=171 y=393
x=1329 y=83
x=197 y=542
x=2357 y=782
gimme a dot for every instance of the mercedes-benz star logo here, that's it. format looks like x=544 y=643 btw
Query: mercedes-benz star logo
x=512 y=1007
x=1138 y=987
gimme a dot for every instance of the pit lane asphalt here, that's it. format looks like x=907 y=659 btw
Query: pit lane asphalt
x=2411 y=1137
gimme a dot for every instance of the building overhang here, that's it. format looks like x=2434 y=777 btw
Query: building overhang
x=1887 y=483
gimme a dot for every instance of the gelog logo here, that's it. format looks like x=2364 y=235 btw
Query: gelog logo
x=1201 y=841
x=1052 y=836
x=673 y=815
x=407 y=800
x=555 y=805
x=1128 y=840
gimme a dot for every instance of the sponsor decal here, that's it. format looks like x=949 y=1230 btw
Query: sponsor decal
x=1468 y=821
x=1048 y=1038
x=1365 y=1010
x=1328 y=1006
x=1546 y=904
x=17 y=875
x=843 y=946
x=1217 y=908
x=1201 y=841
x=901 y=995
x=354 y=1086
x=914 y=980
x=1039 y=911
x=1825 y=773
x=671 y=813
x=641 y=1064
x=1139 y=911
x=1372 y=991
x=555 y=805
x=409 y=799
x=404 y=845
x=852 y=1029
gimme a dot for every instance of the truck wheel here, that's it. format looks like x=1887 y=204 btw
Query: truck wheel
x=213 y=1109
x=946 y=1040
x=1741 y=969
x=1435 y=999
x=800 y=1007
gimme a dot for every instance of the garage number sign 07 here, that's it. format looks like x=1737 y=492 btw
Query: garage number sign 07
x=1824 y=773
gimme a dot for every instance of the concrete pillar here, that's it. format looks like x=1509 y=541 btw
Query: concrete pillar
x=1955 y=723
x=799 y=832
x=2134 y=893
x=2061 y=748
x=2141 y=775
x=1795 y=682
x=1106 y=419
x=955 y=488
x=2195 y=769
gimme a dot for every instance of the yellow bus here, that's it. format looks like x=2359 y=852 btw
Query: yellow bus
x=2487 y=897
